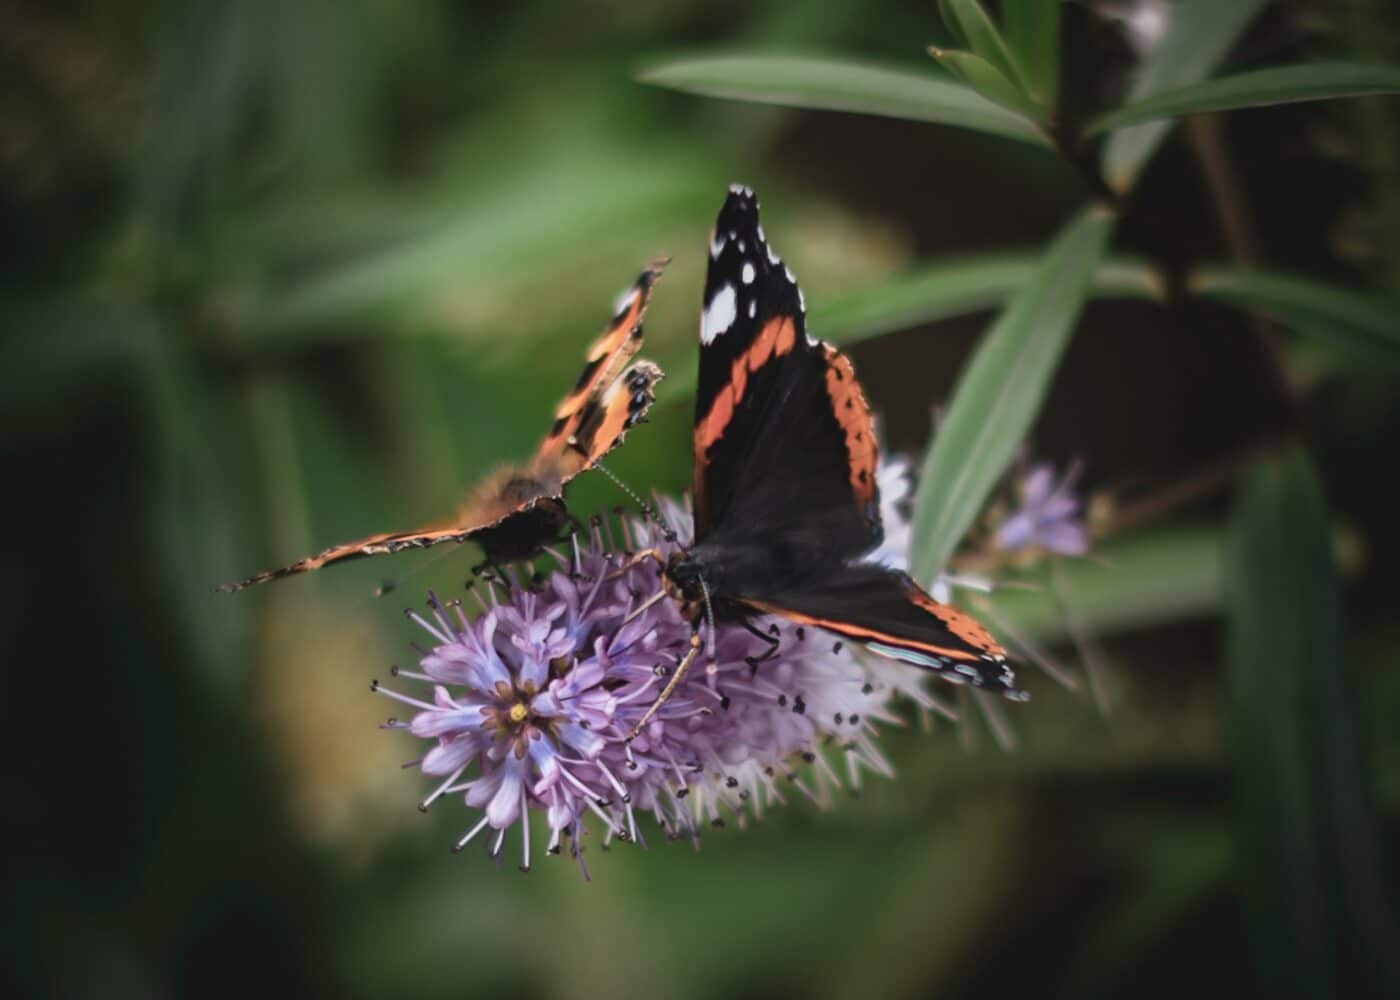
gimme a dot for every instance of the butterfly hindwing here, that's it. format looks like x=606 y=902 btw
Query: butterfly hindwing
x=891 y=615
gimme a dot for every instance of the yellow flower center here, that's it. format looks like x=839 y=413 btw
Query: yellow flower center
x=518 y=712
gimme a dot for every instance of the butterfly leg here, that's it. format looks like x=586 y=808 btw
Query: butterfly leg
x=670 y=687
x=773 y=643
x=637 y=560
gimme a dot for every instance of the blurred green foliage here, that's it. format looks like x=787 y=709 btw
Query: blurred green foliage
x=280 y=274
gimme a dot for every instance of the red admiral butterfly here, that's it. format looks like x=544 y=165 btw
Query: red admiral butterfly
x=518 y=509
x=786 y=502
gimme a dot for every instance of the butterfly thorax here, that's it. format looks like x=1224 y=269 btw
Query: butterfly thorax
x=731 y=572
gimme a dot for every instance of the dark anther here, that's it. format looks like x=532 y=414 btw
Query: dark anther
x=394 y=670
x=774 y=630
x=661 y=670
x=605 y=803
x=801 y=633
x=553 y=850
x=626 y=799
x=867 y=687
x=839 y=718
x=836 y=648
x=682 y=792
x=768 y=770
x=798 y=705
x=854 y=718
x=731 y=782
x=724 y=702
x=808 y=756
x=525 y=869
x=743 y=795
x=782 y=701
x=374 y=685
x=717 y=822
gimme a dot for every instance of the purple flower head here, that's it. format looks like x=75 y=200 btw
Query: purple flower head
x=1049 y=516
x=530 y=705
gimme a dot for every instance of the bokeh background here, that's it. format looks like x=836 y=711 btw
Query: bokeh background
x=281 y=274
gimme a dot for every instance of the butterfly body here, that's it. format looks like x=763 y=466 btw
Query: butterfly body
x=786 y=502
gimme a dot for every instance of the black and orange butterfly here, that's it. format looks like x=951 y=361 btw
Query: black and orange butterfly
x=786 y=504
x=518 y=509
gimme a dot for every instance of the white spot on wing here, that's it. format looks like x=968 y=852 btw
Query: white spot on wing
x=717 y=245
x=753 y=307
x=624 y=301
x=748 y=273
x=719 y=314
x=773 y=258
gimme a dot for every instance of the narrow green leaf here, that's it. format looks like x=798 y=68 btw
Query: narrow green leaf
x=1305 y=305
x=1308 y=842
x=842 y=85
x=1147 y=578
x=957 y=287
x=1280 y=85
x=980 y=34
x=1032 y=30
x=999 y=393
x=1198 y=36
x=936 y=291
x=985 y=78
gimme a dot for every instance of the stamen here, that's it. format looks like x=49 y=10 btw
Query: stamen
x=378 y=688
x=423 y=624
x=442 y=788
x=467 y=838
x=525 y=830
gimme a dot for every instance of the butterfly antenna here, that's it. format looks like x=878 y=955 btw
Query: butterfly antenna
x=647 y=509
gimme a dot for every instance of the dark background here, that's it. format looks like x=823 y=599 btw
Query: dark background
x=276 y=275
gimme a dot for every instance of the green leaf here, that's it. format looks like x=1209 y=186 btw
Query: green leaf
x=957 y=287
x=1280 y=85
x=842 y=85
x=1308 y=844
x=985 y=78
x=1147 y=578
x=936 y=291
x=1032 y=30
x=1305 y=305
x=980 y=34
x=1198 y=36
x=999 y=393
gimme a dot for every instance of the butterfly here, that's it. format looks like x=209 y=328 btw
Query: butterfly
x=518 y=509
x=786 y=503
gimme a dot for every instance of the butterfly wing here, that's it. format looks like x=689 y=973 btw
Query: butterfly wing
x=889 y=613
x=609 y=396
x=515 y=511
x=374 y=545
x=783 y=440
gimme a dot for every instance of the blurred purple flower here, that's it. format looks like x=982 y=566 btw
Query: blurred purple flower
x=531 y=703
x=1049 y=516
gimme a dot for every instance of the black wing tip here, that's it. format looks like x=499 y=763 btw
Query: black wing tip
x=740 y=210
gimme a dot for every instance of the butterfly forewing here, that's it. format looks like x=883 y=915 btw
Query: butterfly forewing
x=771 y=450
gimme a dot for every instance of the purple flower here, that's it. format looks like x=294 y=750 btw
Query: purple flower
x=1049 y=516
x=530 y=705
